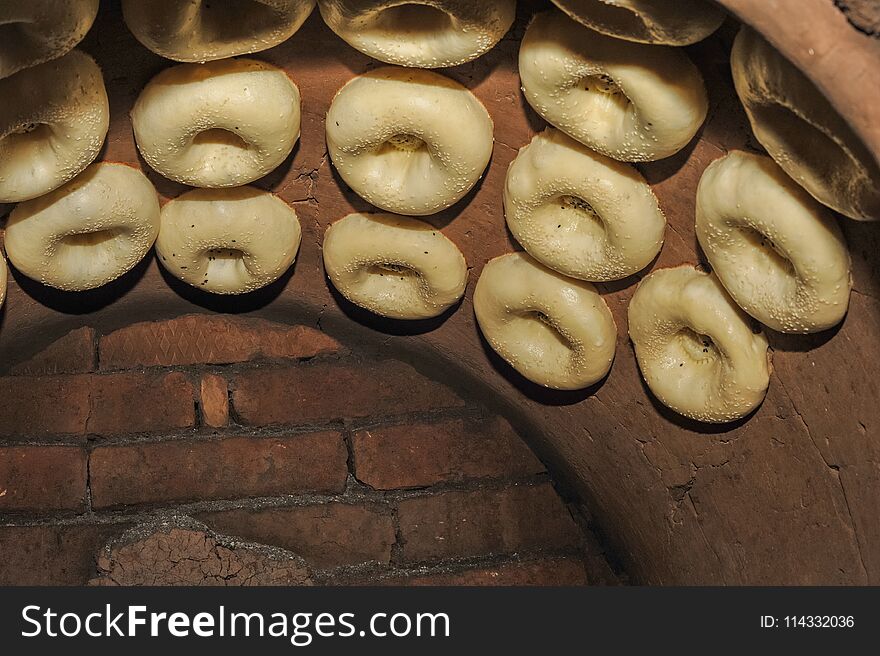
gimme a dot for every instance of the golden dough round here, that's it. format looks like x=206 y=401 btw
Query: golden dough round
x=53 y=121
x=87 y=233
x=228 y=241
x=556 y=331
x=422 y=34
x=662 y=22
x=198 y=31
x=581 y=213
x=221 y=124
x=802 y=131
x=777 y=251
x=695 y=347
x=629 y=101
x=409 y=141
x=37 y=31
x=394 y=266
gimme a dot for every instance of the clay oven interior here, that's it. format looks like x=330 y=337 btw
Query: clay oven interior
x=302 y=439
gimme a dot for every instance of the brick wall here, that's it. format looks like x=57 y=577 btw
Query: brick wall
x=279 y=437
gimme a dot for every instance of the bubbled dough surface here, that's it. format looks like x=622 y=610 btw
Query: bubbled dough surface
x=66 y=101
x=554 y=330
x=228 y=241
x=802 y=132
x=581 y=213
x=777 y=251
x=394 y=266
x=630 y=101
x=454 y=128
x=37 y=31
x=718 y=379
x=199 y=31
x=431 y=34
x=221 y=124
x=676 y=22
x=764 y=478
x=88 y=232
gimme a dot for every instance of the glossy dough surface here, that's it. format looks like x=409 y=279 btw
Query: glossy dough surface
x=423 y=34
x=206 y=30
x=88 y=232
x=37 y=31
x=220 y=124
x=556 y=331
x=228 y=241
x=53 y=121
x=409 y=141
x=695 y=347
x=668 y=22
x=581 y=213
x=394 y=266
x=778 y=252
x=629 y=101
x=802 y=131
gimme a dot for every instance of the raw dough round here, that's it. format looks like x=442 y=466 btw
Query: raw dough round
x=422 y=34
x=629 y=101
x=53 y=121
x=409 y=141
x=665 y=22
x=37 y=31
x=802 y=131
x=579 y=212
x=228 y=241
x=556 y=331
x=695 y=347
x=220 y=124
x=394 y=266
x=87 y=233
x=778 y=252
x=205 y=30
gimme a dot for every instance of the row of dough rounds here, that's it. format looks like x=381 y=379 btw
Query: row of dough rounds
x=415 y=142
x=777 y=254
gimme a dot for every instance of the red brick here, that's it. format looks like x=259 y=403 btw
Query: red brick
x=420 y=455
x=464 y=524
x=139 y=403
x=51 y=555
x=215 y=400
x=229 y=468
x=72 y=354
x=327 y=535
x=38 y=478
x=207 y=339
x=546 y=572
x=50 y=405
x=333 y=391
